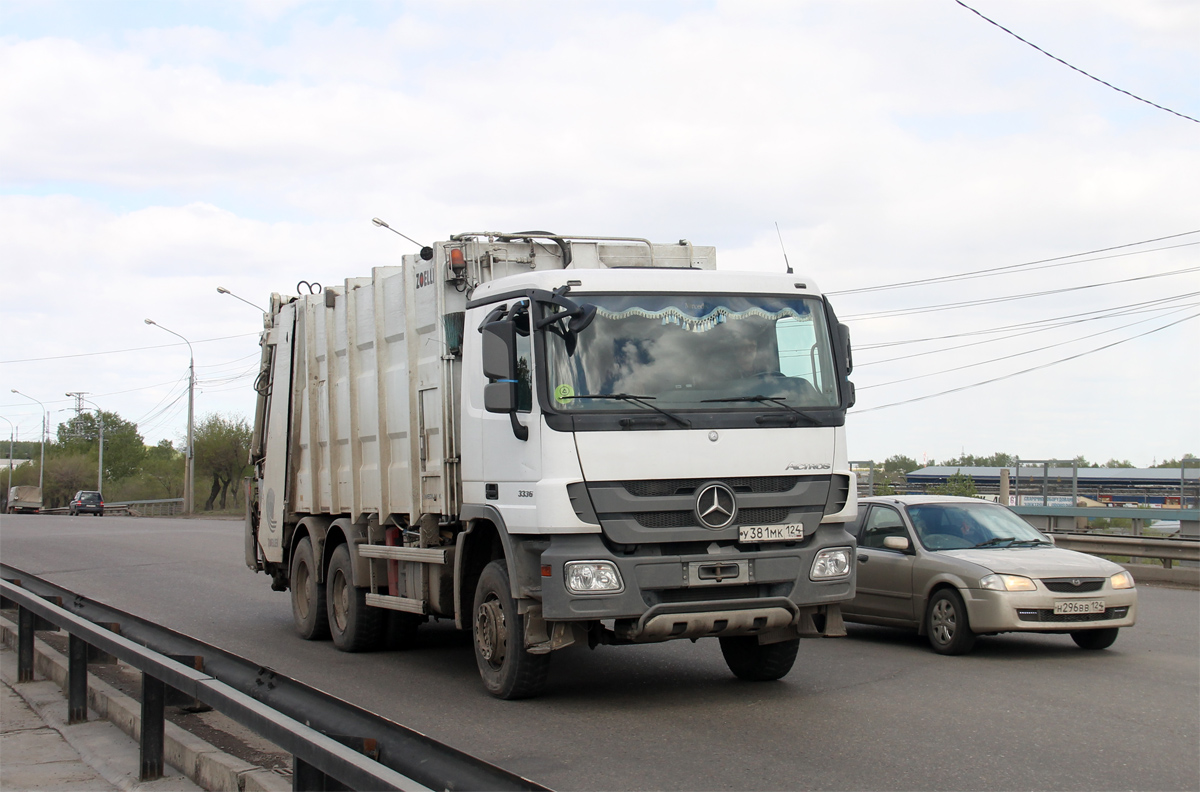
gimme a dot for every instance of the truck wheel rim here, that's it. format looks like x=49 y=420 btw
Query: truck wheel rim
x=341 y=600
x=489 y=631
x=943 y=622
x=302 y=593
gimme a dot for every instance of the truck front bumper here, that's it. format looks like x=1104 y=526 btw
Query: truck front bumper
x=756 y=592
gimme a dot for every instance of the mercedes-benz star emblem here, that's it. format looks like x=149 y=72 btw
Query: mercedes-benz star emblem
x=715 y=505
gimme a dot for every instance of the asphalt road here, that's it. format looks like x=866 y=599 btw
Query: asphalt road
x=877 y=710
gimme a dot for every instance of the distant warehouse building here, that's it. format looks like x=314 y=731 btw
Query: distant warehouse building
x=1055 y=486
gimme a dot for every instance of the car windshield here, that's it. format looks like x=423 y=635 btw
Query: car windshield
x=711 y=352
x=953 y=526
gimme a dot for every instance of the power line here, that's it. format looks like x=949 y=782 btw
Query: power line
x=994 y=300
x=1104 y=314
x=1022 y=353
x=131 y=349
x=1025 y=371
x=1112 y=315
x=1028 y=266
x=1074 y=68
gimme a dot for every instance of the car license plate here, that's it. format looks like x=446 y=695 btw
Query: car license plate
x=1062 y=607
x=792 y=532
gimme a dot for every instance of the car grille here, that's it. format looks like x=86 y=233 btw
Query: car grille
x=658 y=488
x=687 y=519
x=1067 y=585
x=1048 y=615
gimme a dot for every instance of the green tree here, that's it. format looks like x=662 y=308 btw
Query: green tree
x=222 y=453
x=66 y=475
x=998 y=459
x=1174 y=463
x=124 y=448
x=164 y=467
x=900 y=464
x=958 y=484
x=1118 y=463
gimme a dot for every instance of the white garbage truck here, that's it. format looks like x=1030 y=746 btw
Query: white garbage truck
x=557 y=441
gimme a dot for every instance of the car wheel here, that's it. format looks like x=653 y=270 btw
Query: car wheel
x=507 y=669
x=308 y=596
x=755 y=662
x=946 y=624
x=353 y=624
x=1095 y=639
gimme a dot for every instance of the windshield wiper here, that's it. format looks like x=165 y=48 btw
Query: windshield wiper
x=996 y=541
x=1029 y=542
x=777 y=400
x=640 y=400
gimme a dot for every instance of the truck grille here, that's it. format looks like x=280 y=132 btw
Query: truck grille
x=687 y=519
x=659 y=488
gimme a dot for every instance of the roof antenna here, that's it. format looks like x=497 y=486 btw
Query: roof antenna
x=784 y=249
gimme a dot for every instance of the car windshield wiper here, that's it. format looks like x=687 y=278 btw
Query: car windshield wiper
x=996 y=541
x=1029 y=542
x=777 y=400
x=640 y=400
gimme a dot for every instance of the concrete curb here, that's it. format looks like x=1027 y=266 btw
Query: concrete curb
x=203 y=763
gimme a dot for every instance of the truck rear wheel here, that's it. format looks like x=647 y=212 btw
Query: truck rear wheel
x=508 y=671
x=354 y=625
x=755 y=662
x=308 y=596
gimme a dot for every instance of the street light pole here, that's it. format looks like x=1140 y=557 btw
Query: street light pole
x=12 y=432
x=223 y=290
x=100 y=421
x=45 y=428
x=189 y=490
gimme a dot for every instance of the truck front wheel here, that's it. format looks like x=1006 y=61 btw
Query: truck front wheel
x=308 y=596
x=755 y=662
x=508 y=671
x=354 y=625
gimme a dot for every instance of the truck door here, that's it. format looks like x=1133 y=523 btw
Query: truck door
x=511 y=466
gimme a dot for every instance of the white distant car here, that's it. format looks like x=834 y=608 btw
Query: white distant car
x=956 y=568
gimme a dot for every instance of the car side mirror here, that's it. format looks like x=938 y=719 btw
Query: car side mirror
x=895 y=542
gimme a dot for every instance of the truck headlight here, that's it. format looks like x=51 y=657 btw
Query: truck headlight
x=1121 y=580
x=1007 y=583
x=592 y=577
x=831 y=562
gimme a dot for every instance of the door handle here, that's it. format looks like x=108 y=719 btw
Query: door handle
x=862 y=559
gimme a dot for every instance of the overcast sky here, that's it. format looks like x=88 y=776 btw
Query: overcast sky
x=153 y=151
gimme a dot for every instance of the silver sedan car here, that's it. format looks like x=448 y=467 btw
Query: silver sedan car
x=956 y=568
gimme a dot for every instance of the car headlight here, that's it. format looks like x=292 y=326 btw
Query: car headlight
x=1121 y=580
x=593 y=577
x=1007 y=583
x=831 y=562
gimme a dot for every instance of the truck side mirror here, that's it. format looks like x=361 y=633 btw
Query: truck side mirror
x=500 y=366
x=844 y=340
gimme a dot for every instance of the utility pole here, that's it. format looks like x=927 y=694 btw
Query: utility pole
x=190 y=460
x=79 y=400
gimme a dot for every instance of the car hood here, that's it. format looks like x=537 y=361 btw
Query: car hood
x=1036 y=562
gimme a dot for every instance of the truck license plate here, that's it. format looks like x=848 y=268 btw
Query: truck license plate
x=1078 y=606
x=792 y=532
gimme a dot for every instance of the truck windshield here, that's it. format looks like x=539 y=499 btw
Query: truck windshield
x=711 y=352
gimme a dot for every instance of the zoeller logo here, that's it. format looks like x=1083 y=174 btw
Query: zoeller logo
x=715 y=506
x=808 y=466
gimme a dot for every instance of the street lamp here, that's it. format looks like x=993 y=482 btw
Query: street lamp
x=223 y=290
x=12 y=431
x=100 y=420
x=45 y=428
x=190 y=459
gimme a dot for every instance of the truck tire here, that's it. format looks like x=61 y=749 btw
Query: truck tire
x=755 y=662
x=354 y=625
x=508 y=671
x=308 y=596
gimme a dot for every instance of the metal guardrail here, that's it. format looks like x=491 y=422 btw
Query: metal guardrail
x=1167 y=550
x=274 y=706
